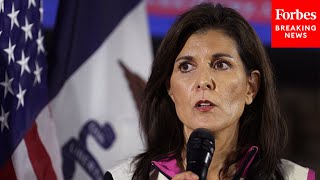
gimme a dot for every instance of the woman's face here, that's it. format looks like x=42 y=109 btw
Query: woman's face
x=209 y=85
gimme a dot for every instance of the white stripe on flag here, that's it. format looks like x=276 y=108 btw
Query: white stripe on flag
x=48 y=136
x=99 y=91
x=22 y=164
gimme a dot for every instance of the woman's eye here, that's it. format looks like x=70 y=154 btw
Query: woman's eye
x=185 y=67
x=221 y=65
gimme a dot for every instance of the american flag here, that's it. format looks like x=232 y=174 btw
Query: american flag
x=28 y=148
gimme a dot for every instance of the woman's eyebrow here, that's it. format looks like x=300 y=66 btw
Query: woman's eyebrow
x=218 y=55
x=214 y=56
x=187 y=57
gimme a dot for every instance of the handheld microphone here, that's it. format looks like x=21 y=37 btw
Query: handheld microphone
x=107 y=176
x=200 y=148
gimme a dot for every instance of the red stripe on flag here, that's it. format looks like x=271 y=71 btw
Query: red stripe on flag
x=38 y=155
x=7 y=172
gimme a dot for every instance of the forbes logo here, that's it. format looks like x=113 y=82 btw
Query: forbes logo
x=296 y=15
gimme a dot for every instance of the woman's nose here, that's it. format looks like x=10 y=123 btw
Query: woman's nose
x=206 y=85
x=205 y=81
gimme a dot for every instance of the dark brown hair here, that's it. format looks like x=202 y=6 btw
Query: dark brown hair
x=260 y=124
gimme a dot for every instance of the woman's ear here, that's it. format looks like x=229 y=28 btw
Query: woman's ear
x=253 y=86
x=169 y=90
x=170 y=94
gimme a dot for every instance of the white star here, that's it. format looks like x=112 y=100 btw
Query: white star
x=40 y=42
x=24 y=63
x=13 y=16
x=20 y=96
x=37 y=74
x=31 y=2
x=0 y=31
x=10 y=52
x=1 y=5
x=7 y=85
x=27 y=29
x=4 y=119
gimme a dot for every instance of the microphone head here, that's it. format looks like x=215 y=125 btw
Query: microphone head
x=200 y=148
x=107 y=176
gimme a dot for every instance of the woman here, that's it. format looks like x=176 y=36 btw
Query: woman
x=211 y=71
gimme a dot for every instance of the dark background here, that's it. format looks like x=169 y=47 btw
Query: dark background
x=298 y=75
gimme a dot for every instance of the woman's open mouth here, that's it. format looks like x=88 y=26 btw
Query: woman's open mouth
x=204 y=105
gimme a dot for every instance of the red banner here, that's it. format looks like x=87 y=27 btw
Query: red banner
x=295 y=24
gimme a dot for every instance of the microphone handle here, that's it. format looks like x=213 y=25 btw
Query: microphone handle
x=199 y=169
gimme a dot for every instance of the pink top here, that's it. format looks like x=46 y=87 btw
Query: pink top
x=169 y=167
